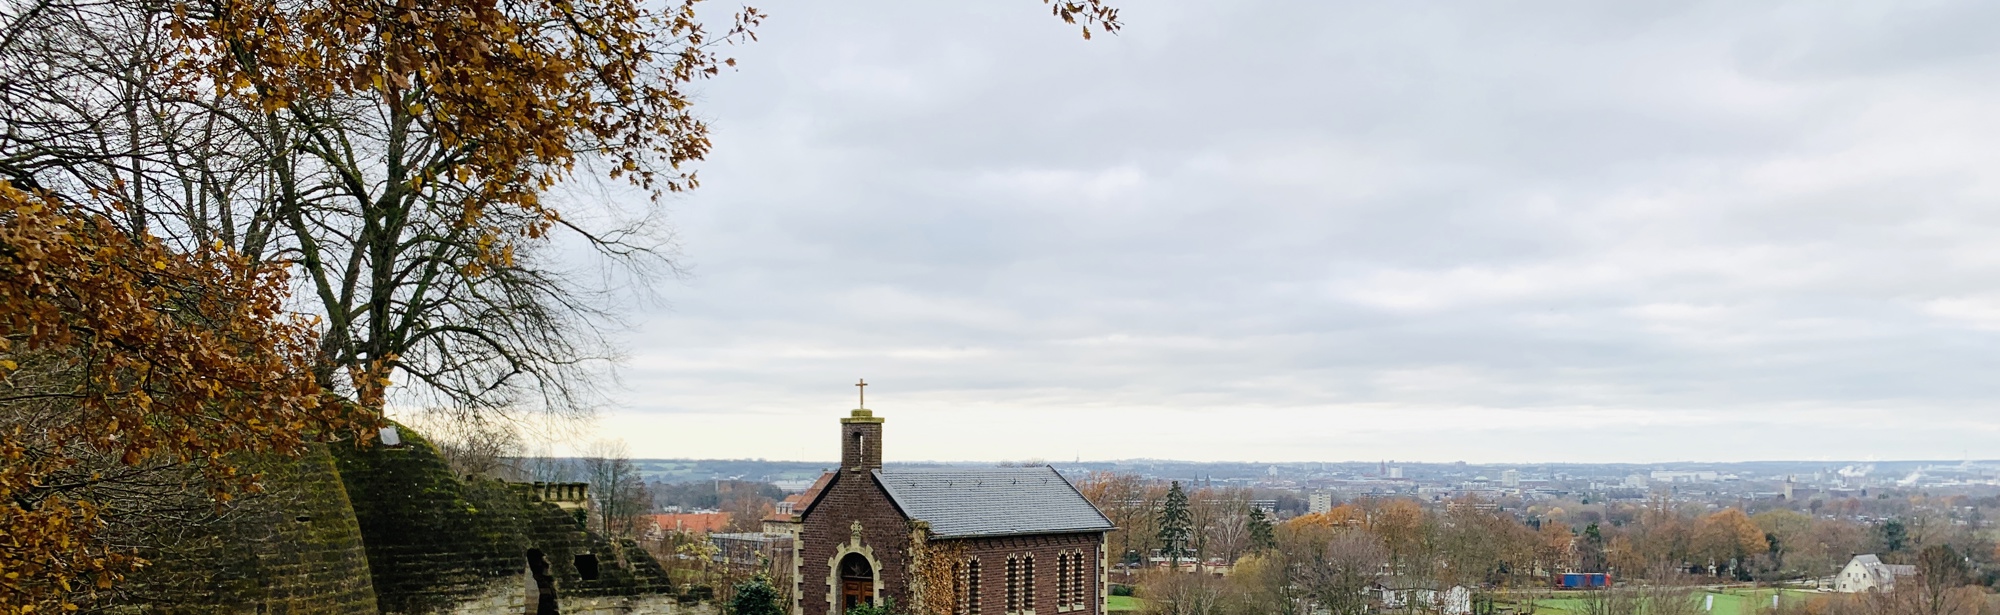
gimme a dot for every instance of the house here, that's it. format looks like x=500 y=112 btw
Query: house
x=1396 y=592
x=989 y=541
x=689 y=523
x=1867 y=573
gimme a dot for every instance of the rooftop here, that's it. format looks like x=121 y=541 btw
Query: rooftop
x=968 y=502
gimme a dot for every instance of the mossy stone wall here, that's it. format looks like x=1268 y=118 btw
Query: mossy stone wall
x=296 y=549
x=436 y=541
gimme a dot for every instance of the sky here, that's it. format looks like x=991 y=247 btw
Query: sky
x=1300 y=231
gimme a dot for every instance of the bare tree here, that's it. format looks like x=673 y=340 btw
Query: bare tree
x=480 y=446
x=617 y=491
x=1336 y=576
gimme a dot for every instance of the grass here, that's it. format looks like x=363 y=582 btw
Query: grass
x=1122 y=603
x=1733 y=601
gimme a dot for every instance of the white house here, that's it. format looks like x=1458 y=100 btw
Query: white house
x=1867 y=573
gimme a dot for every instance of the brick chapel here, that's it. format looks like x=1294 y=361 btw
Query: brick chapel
x=1000 y=541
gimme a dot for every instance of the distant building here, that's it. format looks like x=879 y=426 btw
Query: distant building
x=691 y=523
x=1792 y=491
x=1867 y=573
x=1636 y=481
x=1319 y=502
x=1697 y=476
x=1510 y=479
x=1396 y=472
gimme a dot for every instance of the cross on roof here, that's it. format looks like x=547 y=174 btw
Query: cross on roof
x=862 y=388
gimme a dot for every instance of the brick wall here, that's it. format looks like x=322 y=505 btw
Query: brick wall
x=853 y=496
x=993 y=553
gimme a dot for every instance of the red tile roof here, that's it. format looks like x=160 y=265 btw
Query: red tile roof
x=698 y=523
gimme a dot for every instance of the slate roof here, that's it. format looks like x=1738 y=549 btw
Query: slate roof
x=967 y=502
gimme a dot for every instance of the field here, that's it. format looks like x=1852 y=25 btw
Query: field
x=1733 y=601
x=1115 y=604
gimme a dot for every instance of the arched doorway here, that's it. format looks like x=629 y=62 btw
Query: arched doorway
x=857 y=582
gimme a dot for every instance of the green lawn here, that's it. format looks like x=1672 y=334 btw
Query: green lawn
x=1727 y=602
x=1121 y=603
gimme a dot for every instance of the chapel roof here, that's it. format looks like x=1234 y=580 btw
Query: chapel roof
x=969 y=502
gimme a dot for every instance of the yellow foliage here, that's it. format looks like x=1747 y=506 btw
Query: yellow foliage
x=122 y=346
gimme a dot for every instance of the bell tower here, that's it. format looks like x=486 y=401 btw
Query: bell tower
x=861 y=437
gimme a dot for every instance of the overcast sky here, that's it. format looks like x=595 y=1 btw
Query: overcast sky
x=1268 y=231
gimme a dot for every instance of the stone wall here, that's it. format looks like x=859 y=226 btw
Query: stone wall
x=295 y=549
x=437 y=543
x=359 y=530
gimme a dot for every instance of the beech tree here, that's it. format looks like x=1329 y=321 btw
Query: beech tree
x=169 y=171
x=123 y=361
x=404 y=158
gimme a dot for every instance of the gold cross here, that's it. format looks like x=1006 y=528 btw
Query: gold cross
x=862 y=387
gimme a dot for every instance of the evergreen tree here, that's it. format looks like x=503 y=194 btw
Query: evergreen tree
x=755 y=597
x=1261 y=536
x=1894 y=536
x=1176 y=526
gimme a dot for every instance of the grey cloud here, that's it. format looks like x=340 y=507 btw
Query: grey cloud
x=1720 y=217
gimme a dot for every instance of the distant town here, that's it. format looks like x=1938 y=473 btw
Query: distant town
x=1294 y=487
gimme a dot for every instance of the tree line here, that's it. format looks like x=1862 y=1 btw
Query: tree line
x=1370 y=550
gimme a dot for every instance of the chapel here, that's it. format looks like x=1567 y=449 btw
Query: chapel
x=971 y=541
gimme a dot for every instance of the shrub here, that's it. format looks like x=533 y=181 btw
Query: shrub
x=755 y=597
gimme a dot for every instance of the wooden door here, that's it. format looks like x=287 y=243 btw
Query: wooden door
x=857 y=582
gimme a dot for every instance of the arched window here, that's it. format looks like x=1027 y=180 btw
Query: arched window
x=970 y=604
x=1062 y=581
x=1013 y=584
x=1028 y=582
x=1078 y=583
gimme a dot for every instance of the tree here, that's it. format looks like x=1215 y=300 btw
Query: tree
x=400 y=161
x=1337 y=575
x=1894 y=536
x=1129 y=504
x=1591 y=556
x=1941 y=571
x=1554 y=548
x=129 y=371
x=1727 y=537
x=1176 y=526
x=1404 y=530
x=755 y=597
x=1261 y=536
x=1169 y=593
x=402 y=158
x=617 y=493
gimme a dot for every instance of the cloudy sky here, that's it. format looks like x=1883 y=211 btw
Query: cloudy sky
x=1267 y=231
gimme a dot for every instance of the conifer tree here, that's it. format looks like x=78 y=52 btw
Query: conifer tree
x=1261 y=536
x=1176 y=526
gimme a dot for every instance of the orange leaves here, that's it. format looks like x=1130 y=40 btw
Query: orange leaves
x=1086 y=13
x=134 y=352
x=523 y=87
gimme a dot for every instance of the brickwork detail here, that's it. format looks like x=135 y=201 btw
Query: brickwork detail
x=1043 y=549
x=854 y=514
x=852 y=497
